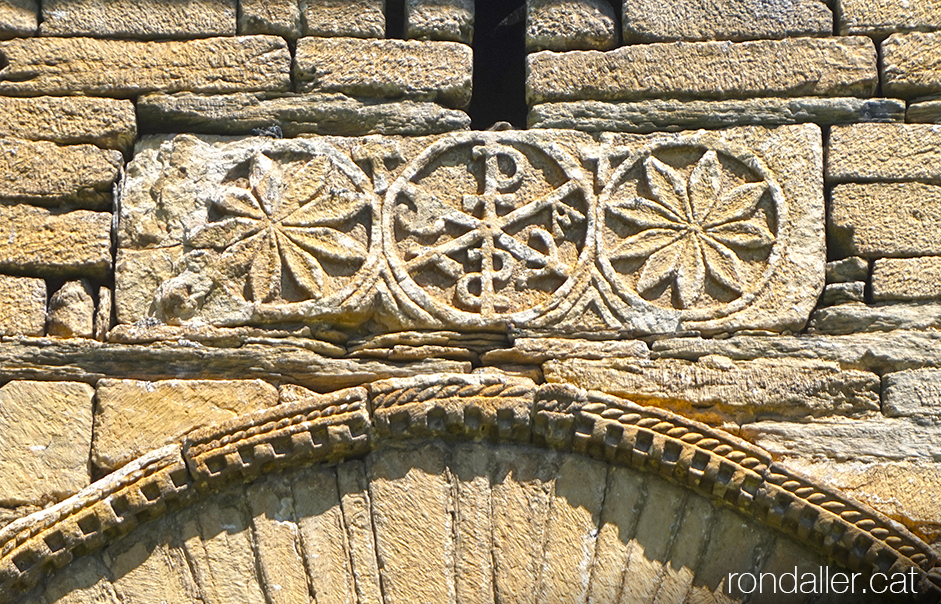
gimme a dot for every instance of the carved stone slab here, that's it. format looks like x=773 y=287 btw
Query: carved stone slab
x=545 y=230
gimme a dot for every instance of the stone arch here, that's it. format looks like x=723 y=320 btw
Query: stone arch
x=407 y=456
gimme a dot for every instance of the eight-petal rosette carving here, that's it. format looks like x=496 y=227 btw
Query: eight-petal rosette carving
x=287 y=229
x=688 y=229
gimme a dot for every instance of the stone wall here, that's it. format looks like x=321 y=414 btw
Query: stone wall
x=216 y=215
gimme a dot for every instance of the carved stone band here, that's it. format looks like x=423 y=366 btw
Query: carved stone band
x=547 y=230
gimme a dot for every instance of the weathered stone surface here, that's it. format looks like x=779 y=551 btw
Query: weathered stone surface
x=126 y=68
x=473 y=564
x=133 y=417
x=46 y=429
x=928 y=112
x=86 y=582
x=671 y=115
x=707 y=70
x=570 y=25
x=90 y=361
x=905 y=491
x=103 y=314
x=18 y=18
x=72 y=311
x=615 y=545
x=853 y=318
x=22 y=306
x=691 y=20
x=847 y=270
x=842 y=439
x=885 y=219
x=884 y=152
x=40 y=242
x=354 y=18
x=415 y=550
x=883 y=17
x=540 y=350
x=440 y=20
x=323 y=536
x=271 y=17
x=46 y=173
x=107 y=123
x=244 y=113
x=912 y=393
x=907 y=278
x=353 y=488
x=879 y=352
x=842 y=293
x=146 y=19
x=911 y=64
x=717 y=389
x=411 y=69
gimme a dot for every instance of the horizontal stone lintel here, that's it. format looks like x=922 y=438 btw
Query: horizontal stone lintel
x=126 y=68
x=673 y=115
x=707 y=70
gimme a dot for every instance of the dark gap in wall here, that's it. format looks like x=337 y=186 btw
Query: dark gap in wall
x=499 y=64
x=395 y=19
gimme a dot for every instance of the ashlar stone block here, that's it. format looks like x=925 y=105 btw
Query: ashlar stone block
x=570 y=25
x=691 y=20
x=907 y=278
x=912 y=393
x=272 y=17
x=411 y=69
x=22 y=306
x=18 y=18
x=46 y=429
x=354 y=18
x=884 y=17
x=707 y=70
x=884 y=152
x=109 y=123
x=126 y=68
x=911 y=64
x=440 y=20
x=703 y=231
x=141 y=19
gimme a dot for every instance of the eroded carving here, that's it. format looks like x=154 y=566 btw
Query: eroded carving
x=485 y=228
x=690 y=228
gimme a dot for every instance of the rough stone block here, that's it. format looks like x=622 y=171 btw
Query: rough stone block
x=72 y=311
x=883 y=17
x=884 y=152
x=432 y=71
x=108 y=123
x=849 y=319
x=847 y=270
x=907 y=278
x=440 y=20
x=103 y=314
x=126 y=68
x=22 y=306
x=145 y=19
x=843 y=293
x=39 y=242
x=272 y=17
x=18 y=18
x=911 y=64
x=717 y=389
x=926 y=112
x=570 y=25
x=885 y=219
x=708 y=70
x=244 y=113
x=46 y=429
x=671 y=115
x=912 y=393
x=133 y=417
x=692 y=20
x=46 y=173
x=353 y=18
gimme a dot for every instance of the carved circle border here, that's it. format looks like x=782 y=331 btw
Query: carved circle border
x=350 y=295
x=564 y=296
x=737 y=152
